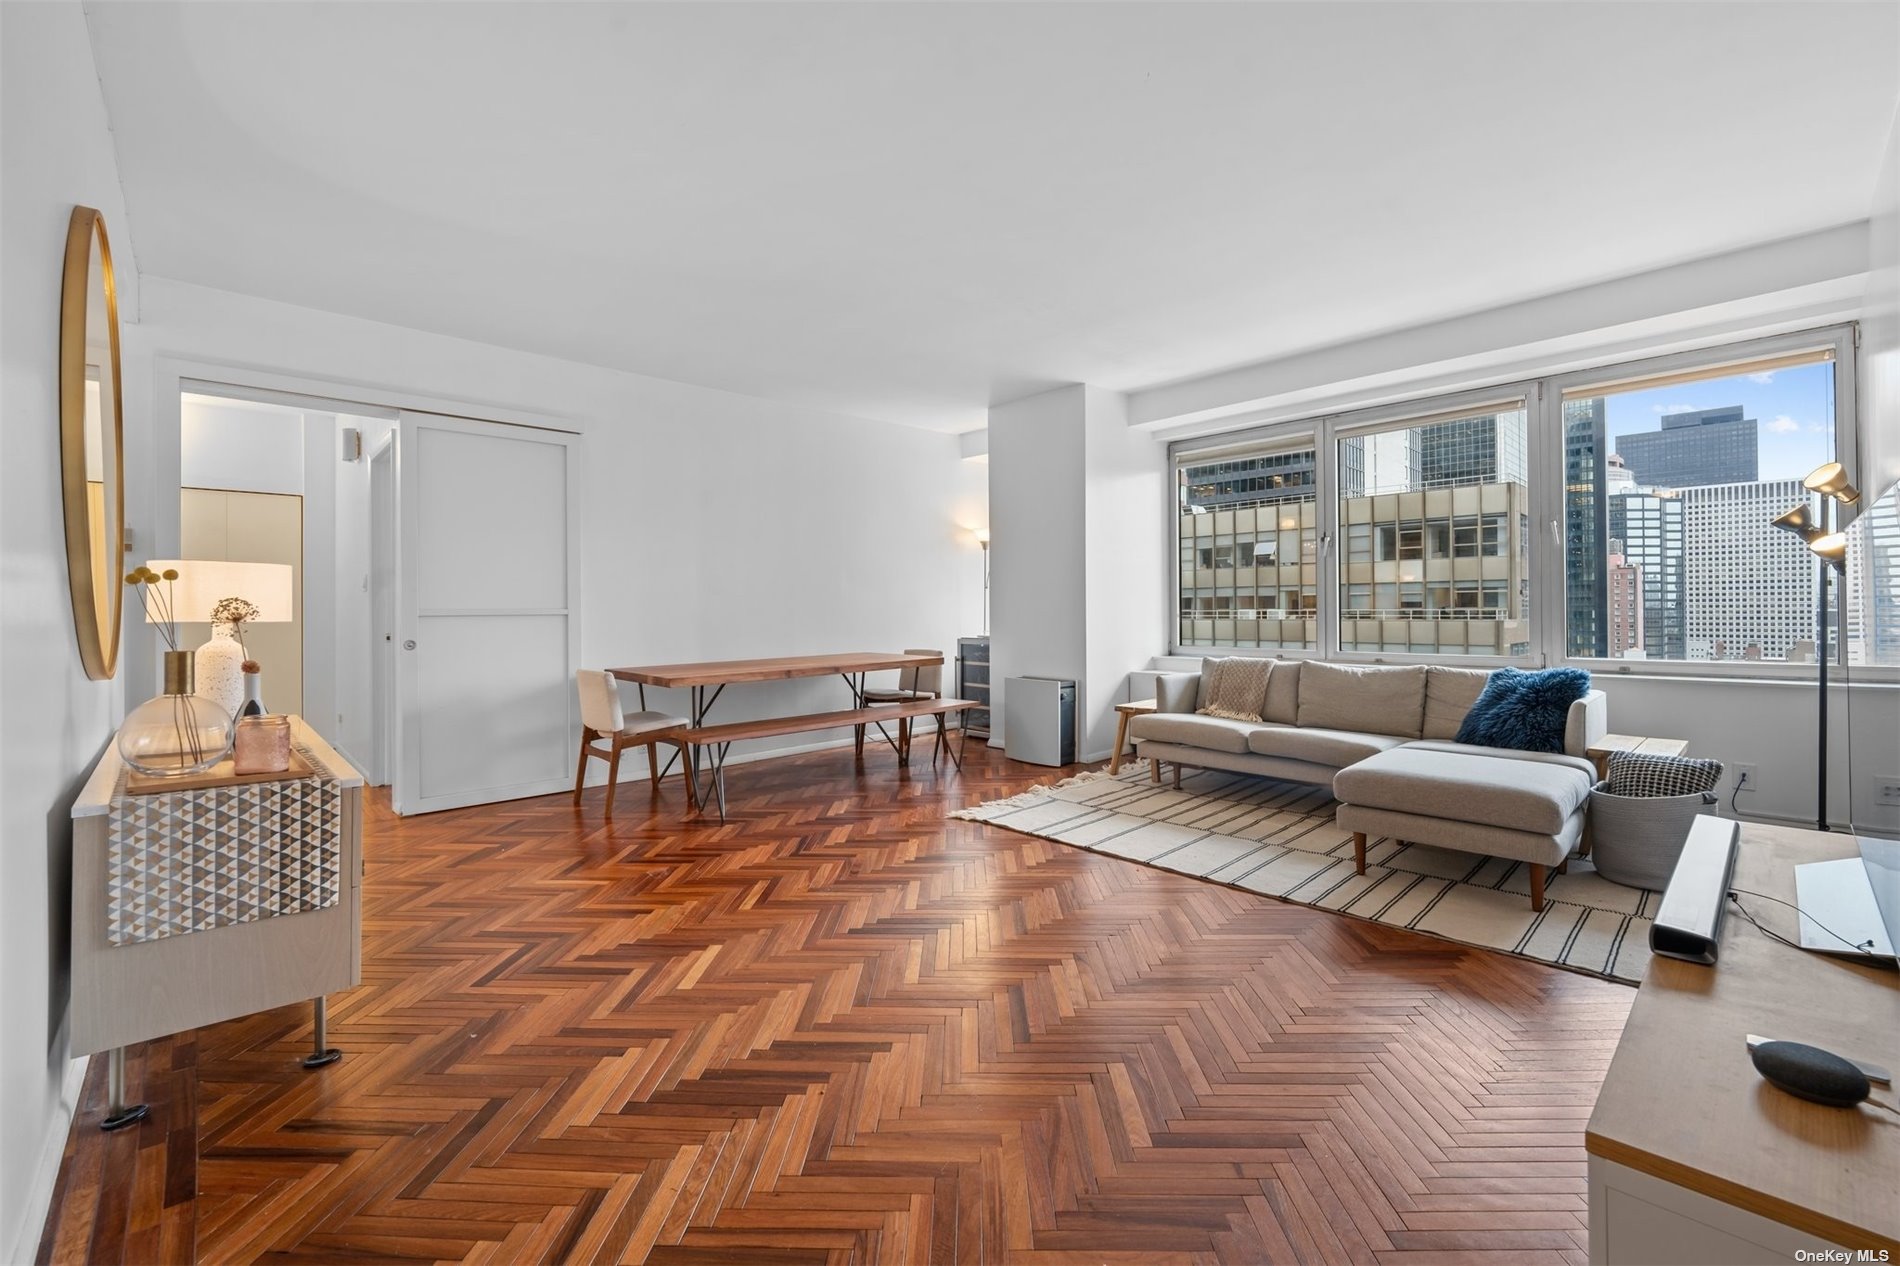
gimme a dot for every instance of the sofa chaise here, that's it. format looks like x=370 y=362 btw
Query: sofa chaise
x=1383 y=740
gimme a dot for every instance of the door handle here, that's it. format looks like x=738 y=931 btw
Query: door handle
x=409 y=645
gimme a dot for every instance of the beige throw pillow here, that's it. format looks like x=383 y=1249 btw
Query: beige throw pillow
x=1235 y=688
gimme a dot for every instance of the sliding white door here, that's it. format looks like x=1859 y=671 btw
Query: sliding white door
x=487 y=632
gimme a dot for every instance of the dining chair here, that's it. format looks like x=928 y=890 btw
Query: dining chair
x=919 y=681
x=602 y=720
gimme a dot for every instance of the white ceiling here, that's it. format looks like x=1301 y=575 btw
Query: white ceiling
x=910 y=211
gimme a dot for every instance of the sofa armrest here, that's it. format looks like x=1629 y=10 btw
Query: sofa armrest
x=1177 y=692
x=1587 y=721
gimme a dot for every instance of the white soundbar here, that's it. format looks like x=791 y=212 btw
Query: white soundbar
x=1690 y=917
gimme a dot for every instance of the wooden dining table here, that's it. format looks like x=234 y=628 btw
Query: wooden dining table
x=707 y=680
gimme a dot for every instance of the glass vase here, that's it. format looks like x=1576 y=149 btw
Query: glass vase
x=177 y=732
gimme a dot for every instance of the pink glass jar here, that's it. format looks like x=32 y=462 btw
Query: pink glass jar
x=263 y=745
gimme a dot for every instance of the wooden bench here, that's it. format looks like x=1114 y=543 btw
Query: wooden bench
x=722 y=736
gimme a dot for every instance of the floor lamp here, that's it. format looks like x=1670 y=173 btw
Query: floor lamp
x=983 y=538
x=1830 y=549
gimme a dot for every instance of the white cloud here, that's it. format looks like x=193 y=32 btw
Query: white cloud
x=1782 y=425
x=1764 y=379
x=1675 y=408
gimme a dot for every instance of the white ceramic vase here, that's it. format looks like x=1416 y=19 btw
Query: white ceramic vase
x=220 y=665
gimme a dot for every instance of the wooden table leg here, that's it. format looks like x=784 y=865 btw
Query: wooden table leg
x=1121 y=741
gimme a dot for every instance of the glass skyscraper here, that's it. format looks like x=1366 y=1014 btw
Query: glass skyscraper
x=1649 y=527
x=1586 y=525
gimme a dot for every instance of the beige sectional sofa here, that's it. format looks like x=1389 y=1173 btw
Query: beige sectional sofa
x=1382 y=739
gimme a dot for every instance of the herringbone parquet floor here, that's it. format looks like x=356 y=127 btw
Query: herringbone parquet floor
x=842 y=1028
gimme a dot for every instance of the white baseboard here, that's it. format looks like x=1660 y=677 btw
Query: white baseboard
x=39 y=1195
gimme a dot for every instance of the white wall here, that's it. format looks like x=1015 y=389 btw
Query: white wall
x=1773 y=726
x=57 y=152
x=241 y=447
x=1128 y=537
x=1880 y=331
x=1079 y=526
x=1037 y=547
x=354 y=706
x=1795 y=283
x=715 y=525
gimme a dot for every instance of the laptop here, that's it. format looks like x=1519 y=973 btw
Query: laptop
x=1851 y=907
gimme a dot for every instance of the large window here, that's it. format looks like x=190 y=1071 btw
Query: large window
x=1624 y=513
x=1248 y=541
x=1445 y=505
x=1672 y=484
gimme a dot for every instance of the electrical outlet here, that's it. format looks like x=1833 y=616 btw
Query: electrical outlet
x=1890 y=791
x=1747 y=779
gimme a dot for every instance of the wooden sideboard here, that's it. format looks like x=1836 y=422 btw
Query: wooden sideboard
x=140 y=989
x=1693 y=1157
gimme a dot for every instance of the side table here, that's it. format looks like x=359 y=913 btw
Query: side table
x=1122 y=712
x=203 y=904
x=1600 y=750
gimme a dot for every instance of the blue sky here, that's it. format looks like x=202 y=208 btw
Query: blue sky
x=1793 y=408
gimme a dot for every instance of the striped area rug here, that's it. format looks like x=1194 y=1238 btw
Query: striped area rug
x=1279 y=839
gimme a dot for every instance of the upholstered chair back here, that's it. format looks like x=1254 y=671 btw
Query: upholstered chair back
x=923 y=679
x=600 y=701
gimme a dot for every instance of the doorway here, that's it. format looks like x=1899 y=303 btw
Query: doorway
x=449 y=691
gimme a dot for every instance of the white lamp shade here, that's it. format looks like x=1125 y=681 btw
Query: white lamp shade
x=202 y=584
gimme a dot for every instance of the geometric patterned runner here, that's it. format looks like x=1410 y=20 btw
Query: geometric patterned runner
x=186 y=861
x=1279 y=839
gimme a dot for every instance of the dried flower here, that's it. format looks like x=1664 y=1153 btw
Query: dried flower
x=251 y=666
x=157 y=603
x=233 y=611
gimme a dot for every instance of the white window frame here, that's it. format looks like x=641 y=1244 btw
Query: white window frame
x=1243 y=442
x=1544 y=459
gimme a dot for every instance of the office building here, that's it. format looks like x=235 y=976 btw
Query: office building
x=1472 y=450
x=1623 y=604
x=1249 y=480
x=1698 y=447
x=1748 y=587
x=1650 y=526
x=1586 y=525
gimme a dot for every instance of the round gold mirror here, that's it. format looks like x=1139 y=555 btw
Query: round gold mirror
x=91 y=429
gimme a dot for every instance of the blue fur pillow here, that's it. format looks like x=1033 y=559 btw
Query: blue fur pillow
x=1525 y=711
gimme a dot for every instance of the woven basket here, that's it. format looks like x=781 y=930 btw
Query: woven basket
x=1636 y=840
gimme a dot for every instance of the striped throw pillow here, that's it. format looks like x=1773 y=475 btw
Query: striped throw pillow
x=1642 y=774
x=1235 y=688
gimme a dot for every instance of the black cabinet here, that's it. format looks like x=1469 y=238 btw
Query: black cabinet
x=973 y=682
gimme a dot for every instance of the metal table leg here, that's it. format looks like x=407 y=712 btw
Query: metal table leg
x=119 y=1113
x=321 y=1052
